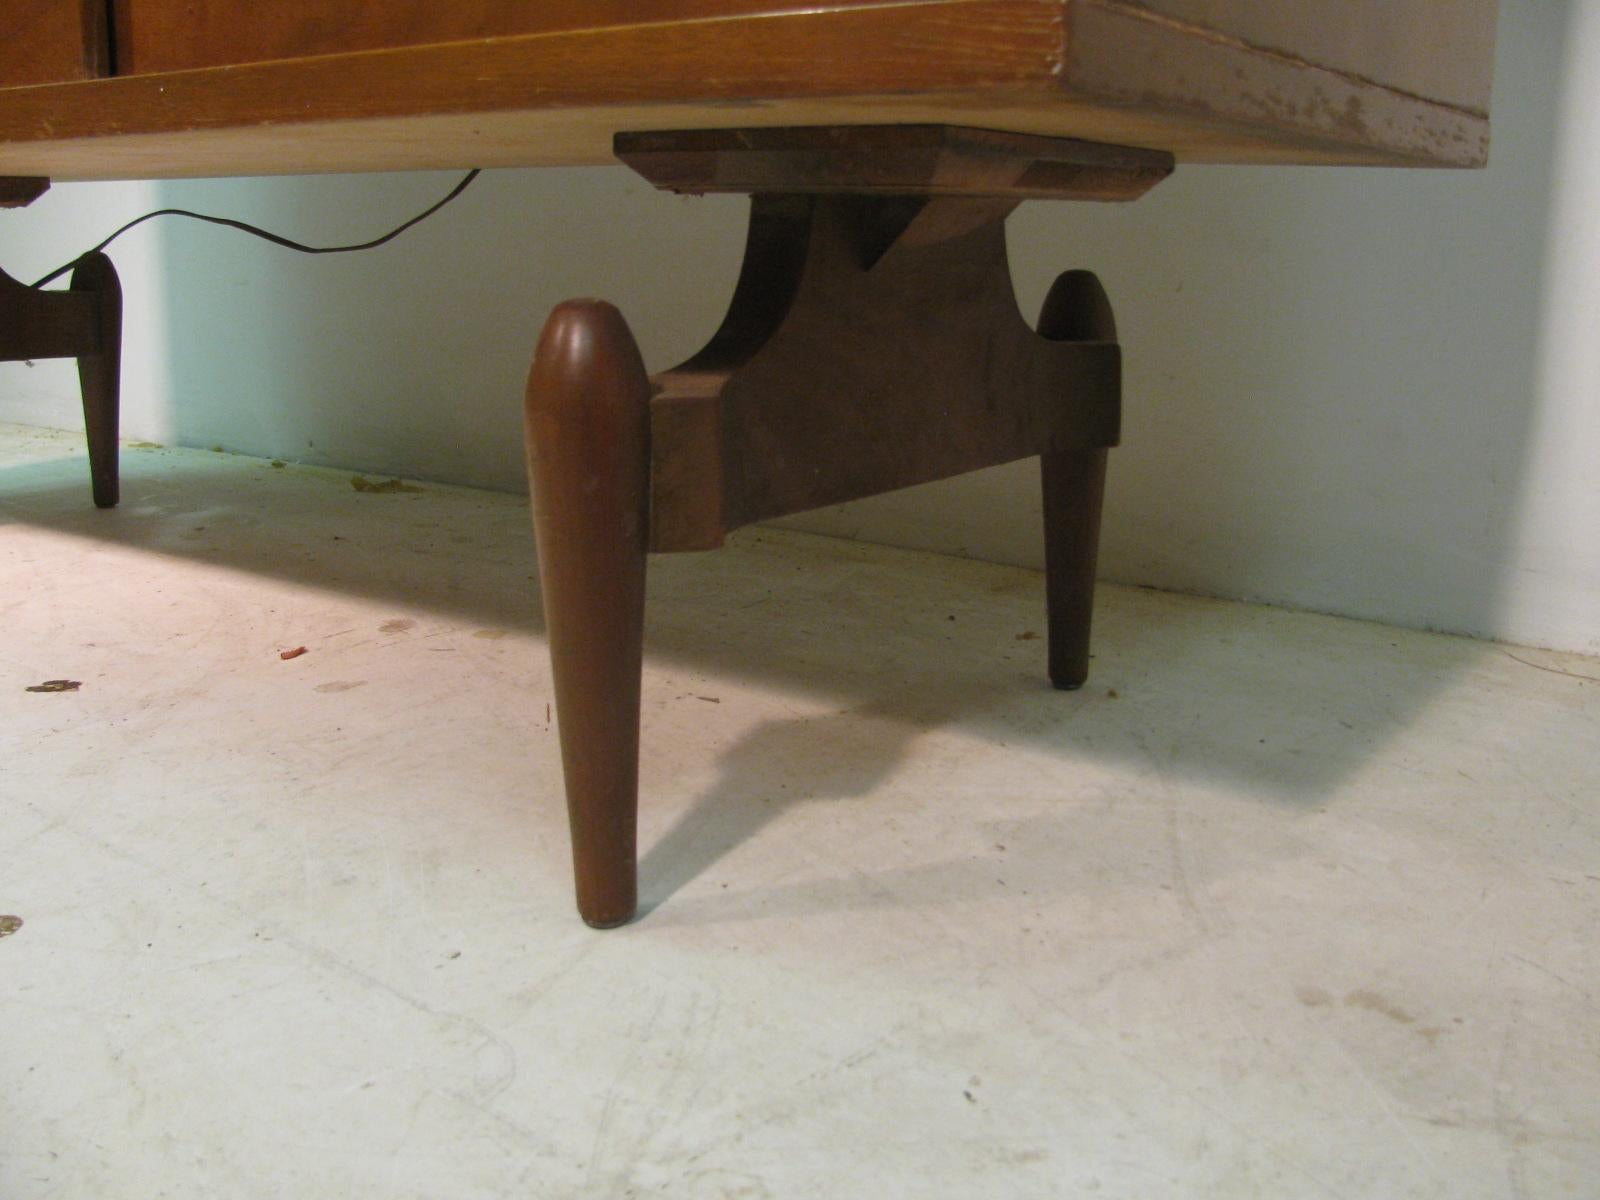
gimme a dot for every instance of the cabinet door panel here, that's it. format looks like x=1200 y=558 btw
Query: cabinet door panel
x=51 y=41
x=173 y=35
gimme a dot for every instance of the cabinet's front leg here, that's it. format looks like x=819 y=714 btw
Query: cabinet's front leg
x=588 y=443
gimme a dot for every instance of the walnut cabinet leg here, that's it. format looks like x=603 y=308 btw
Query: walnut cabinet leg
x=1076 y=310
x=588 y=430
x=1074 y=484
x=100 y=373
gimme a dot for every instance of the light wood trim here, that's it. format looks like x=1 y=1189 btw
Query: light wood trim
x=1441 y=51
x=1122 y=54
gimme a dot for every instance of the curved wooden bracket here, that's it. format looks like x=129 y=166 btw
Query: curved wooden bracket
x=863 y=353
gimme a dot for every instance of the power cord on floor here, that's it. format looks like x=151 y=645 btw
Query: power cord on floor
x=275 y=239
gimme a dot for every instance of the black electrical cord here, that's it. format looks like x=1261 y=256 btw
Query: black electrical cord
x=288 y=243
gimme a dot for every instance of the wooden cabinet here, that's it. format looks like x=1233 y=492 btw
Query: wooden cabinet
x=1440 y=51
x=51 y=41
x=246 y=87
x=874 y=340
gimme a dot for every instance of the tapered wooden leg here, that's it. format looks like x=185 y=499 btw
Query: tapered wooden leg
x=1074 y=489
x=100 y=373
x=588 y=443
x=1074 y=483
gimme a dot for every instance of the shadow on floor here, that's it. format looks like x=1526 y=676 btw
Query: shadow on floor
x=1184 y=689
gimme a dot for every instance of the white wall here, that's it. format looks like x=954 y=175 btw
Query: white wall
x=1361 y=391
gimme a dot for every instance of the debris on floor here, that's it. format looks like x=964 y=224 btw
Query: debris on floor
x=57 y=685
x=9 y=925
x=362 y=484
x=1552 y=670
x=286 y=655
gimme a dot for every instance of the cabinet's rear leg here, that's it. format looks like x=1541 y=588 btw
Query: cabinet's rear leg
x=100 y=373
x=588 y=442
x=1074 y=483
x=1074 y=488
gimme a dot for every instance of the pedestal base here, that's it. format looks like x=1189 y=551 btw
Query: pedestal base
x=873 y=343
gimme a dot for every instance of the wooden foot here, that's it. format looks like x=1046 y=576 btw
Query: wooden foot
x=1074 y=480
x=588 y=443
x=83 y=323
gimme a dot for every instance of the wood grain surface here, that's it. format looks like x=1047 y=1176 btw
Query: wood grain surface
x=51 y=41
x=160 y=35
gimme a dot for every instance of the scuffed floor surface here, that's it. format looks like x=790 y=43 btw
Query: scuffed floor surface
x=1278 y=906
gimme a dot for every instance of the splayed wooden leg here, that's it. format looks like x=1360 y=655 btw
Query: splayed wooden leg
x=100 y=374
x=588 y=443
x=1074 y=485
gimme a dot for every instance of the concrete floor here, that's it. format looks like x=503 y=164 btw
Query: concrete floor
x=1279 y=906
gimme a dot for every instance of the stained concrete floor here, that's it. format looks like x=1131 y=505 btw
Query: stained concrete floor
x=1279 y=906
